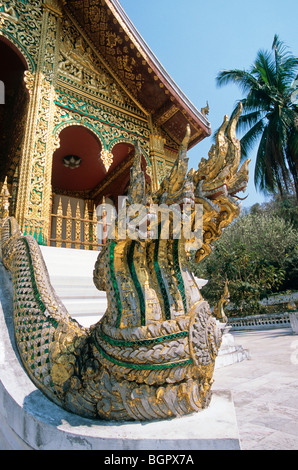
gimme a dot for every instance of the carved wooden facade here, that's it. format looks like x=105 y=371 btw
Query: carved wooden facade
x=82 y=68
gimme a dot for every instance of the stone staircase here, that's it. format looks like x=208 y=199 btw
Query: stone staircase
x=71 y=275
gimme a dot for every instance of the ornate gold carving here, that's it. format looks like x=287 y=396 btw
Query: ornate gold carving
x=219 y=307
x=94 y=225
x=117 y=84
x=29 y=81
x=79 y=63
x=8 y=10
x=4 y=200
x=59 y=221
x=20 y=22
x=78 y=226
x=53 y=6
x=74 y=231
x=157 y=144
x=33 y=205
x=68 y=226
x=107 y=158
x=120 y=122
x=86 y=228
x=167 y=115
x=218 y=180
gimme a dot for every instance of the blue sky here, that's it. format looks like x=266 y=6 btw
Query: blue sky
x=195 y=39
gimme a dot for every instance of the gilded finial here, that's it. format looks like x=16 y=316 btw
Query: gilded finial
x=218 y=310
x=206 y=109
x=4 y=204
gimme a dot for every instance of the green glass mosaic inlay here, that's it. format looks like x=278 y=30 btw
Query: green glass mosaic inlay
x=114 y=282
x=142 y=342
x=160 y=279
x=130 y=365
x=9 y=225
x=178 y=273
x=136 y=282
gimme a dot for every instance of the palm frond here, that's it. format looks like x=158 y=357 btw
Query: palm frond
x=269 y=115
x=251 y=137
x=263 y=176
x=285 y=63
x=291 y=152
x=264 y=69
x=246 y=121
x=267 y=177
x=242 y=78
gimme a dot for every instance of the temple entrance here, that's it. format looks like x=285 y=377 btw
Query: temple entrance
x=13 y=112
x=85 y=177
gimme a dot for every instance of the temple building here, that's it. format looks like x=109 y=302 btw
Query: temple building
x=80 y=87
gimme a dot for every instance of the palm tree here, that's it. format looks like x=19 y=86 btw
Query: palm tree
x=270 y=117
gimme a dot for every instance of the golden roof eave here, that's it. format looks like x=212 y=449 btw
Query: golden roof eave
x=156 y=92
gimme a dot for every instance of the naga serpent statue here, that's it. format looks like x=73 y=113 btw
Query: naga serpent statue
x=152 y=354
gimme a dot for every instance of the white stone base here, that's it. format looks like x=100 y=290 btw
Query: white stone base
x=43 y=426
x=230 y=352
x=294 y=322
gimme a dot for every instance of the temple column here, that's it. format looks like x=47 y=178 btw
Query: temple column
x=157 y=159
x=34 y=194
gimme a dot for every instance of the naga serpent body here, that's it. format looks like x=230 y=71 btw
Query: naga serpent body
x=152 y=354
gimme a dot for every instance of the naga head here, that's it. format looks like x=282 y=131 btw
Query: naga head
x=214 y=186
x=156 y=231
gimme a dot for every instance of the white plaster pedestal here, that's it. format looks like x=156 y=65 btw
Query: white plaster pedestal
x=294 y=322
x=38 y=424
x=230 y=352
x=28 y=420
